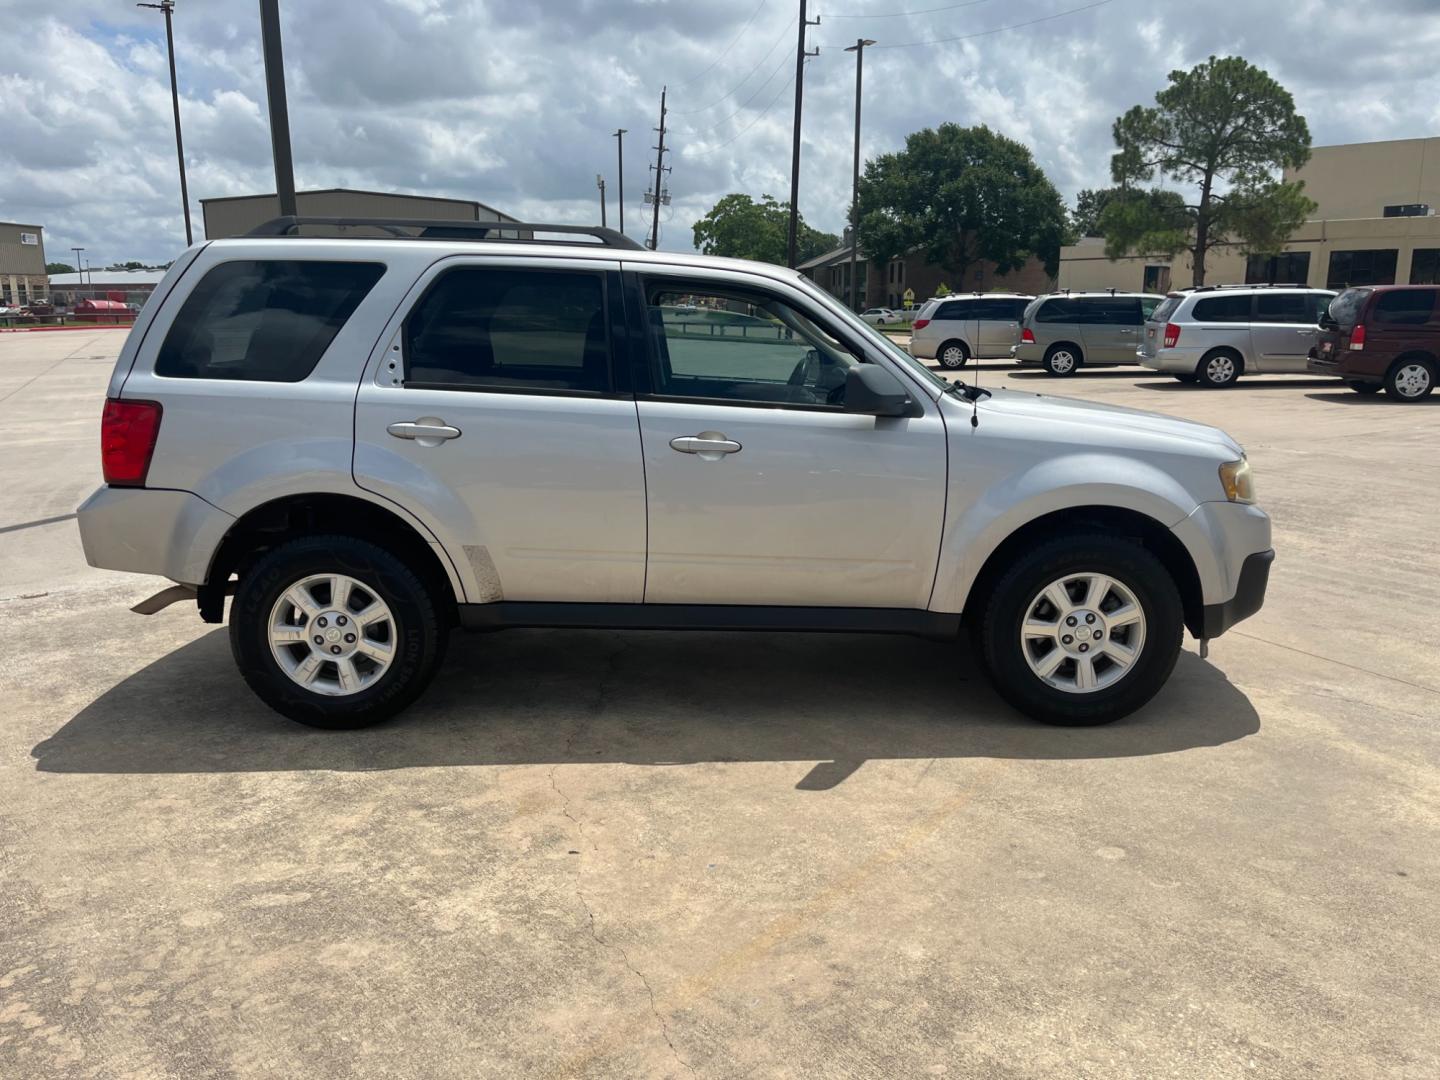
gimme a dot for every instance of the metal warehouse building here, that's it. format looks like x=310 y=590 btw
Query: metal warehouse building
x=22 y=264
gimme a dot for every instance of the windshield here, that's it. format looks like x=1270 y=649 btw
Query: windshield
x=1345 y=308
x=861 y=327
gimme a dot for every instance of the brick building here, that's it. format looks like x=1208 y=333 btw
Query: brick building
x=22 y=264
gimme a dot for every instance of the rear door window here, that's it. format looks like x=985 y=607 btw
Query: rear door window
x=953 y=310
x=486 y=328
x=1283 y=308
x=1110 y=311
x=263 y=320
x=995 y=310
x=1059 y=309
x=1404 y=307
x=1231 y=308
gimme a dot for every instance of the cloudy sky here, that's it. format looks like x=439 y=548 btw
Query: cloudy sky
x=512 y=102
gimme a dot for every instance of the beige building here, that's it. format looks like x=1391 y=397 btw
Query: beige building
x=1375 y=224
x=238 y=214
x=22 y=264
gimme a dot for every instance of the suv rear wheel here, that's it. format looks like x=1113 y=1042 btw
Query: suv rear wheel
x=335 y=632
x=1063 y=359
x=1219 y=369
x=1082 y=630
x=1411 y=379
x=953 y=355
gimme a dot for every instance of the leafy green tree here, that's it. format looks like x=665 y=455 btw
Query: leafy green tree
x=1223 y=128
x=132 y=266
x=942 y=289
x=962 y=195
x=1091 y=204
x=59 y=268
x=739 y=227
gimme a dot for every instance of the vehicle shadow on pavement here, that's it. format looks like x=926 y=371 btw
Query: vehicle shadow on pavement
x=569 y=696
x=1251 y=382
x=1350 y=397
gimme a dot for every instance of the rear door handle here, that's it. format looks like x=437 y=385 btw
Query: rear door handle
x=427 y=431
x=710 y=445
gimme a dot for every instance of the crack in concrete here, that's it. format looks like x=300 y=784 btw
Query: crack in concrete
x=598 y=707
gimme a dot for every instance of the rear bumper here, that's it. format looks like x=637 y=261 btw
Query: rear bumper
x=171 y=534
x=1248 y=599
x=1178 y=361
x=922 y=348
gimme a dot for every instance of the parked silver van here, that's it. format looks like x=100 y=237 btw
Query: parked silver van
x=1063 y=332
x=952 y=329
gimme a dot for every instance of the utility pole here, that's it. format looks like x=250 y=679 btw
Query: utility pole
x=620 y=174
x=79 y=269
x=600 y=183
x=168 y=6
x=660 y=170
x=857 y=302
x=279 y=114
x=792 y=238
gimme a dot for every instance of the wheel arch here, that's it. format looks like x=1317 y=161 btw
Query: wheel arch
x=1413 y=354
x=1229 y=350
x=1150 y=532
x=1074 y=346
x=323 y=513
x=954 y=339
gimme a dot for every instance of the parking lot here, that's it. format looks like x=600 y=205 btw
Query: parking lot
x=612 y=854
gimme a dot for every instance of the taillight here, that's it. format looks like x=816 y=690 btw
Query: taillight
x=128 y=430
x=1172 y=335
x=1357 y=337
x=1027 y=336
x=920 y=324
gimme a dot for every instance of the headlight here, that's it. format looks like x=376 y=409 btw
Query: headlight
x=1237 y=481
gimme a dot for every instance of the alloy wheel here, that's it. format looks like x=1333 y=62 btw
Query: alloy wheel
x=1083 y=633
x=332 y=635
x=1412 y=380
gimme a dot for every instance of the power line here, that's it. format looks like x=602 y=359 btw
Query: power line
x=898 y=14
x=986 y=33
x=763 y=113
x=724 y=51
x=746 y=103
x=731 y=93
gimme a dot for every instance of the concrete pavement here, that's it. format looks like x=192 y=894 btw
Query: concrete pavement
x=633 y=854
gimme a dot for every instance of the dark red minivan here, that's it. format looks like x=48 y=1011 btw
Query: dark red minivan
x=1382 y=337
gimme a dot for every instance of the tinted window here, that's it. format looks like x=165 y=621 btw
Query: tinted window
x=263 y=320
x=1425 y=267
x=999 y=310
x=510 y=329
x=1109 y=311
x=956 y=309
x=1283 y=308
x=1404 y=307
x=1231 y=308
x=740 y=346
x=1361 y=268
x=1317 y=303
x=1166 y=309
x=1289 y=268
x=1148 y=304
x=1345 y=308
x=1059 y=309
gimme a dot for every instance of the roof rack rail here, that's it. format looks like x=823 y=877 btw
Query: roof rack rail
x=1251 y=285
x=507 y=232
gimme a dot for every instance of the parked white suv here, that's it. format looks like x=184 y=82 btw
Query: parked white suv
x=1214 y=334
x=371 y=441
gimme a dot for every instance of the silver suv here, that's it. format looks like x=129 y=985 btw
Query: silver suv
x=371 y=441
x=1214 y=334
x=952 y=329
x=1064 y=332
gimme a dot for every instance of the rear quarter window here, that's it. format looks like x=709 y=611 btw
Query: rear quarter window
x=1404 y=307
x=1222 y=309
x=1060 y=309
x=263 y=320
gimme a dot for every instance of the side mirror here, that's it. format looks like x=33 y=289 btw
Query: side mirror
x=872 y=390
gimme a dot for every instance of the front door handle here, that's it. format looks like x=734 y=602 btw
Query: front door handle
x=427 y=431
x=709 y=445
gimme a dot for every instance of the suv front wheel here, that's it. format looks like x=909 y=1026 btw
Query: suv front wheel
x=335 y=632
x=1082 y=630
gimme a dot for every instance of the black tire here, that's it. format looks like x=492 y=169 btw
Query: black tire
x=1366 y=387
x=1220 y=369
x=953 y=355
x=1411 y=378
x=1189 y=378
x=1063 y=360
x=421 y=635
x=1006 y=607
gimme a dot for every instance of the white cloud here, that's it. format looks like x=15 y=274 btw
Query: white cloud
x=513 y=101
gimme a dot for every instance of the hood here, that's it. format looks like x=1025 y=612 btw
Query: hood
x=1107 y=419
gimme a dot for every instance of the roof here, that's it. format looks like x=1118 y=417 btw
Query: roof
x=829 y=257
x=498 y=215
x=98 y=277
x=21 y=225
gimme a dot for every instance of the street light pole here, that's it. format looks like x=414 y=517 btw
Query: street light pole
x=79 y=269
x=279 y=112
x=168 y=6
x=620 y=174
x=856 y=301
x=600 y=183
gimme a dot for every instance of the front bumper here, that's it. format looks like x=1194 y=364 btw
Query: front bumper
x=172 y=534
x=1248 y=599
